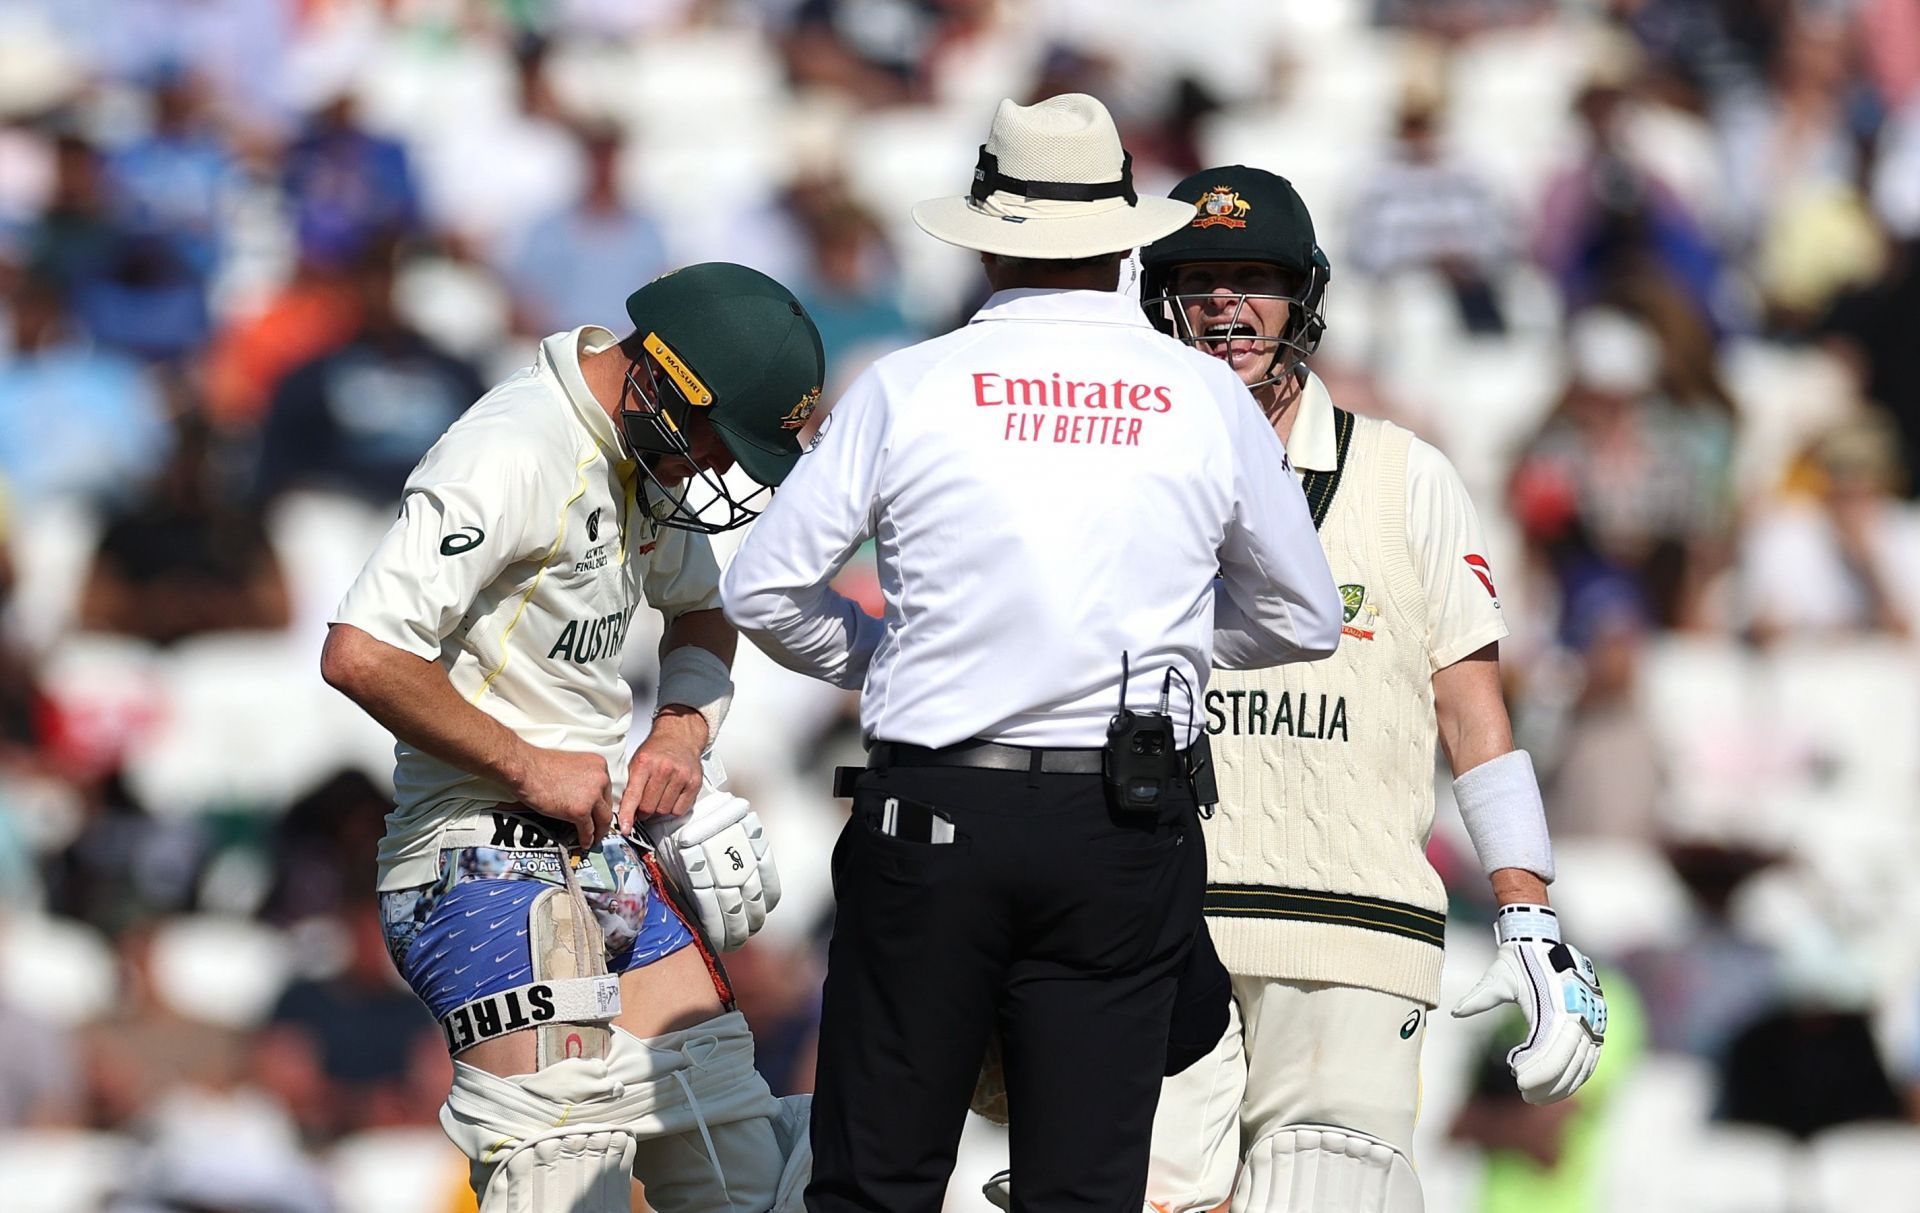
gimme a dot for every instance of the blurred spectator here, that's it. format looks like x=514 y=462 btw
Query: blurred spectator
x=350 y=191
x=237 y=45
x=221 y=1156
x=1791 y=138
x=182 y=559
x=528 y=156
x=355 y=1050
x=324 y=846
x=75 y=420
x=1607 y=218
x=144 y=1050
x=1420 y=211
x=869 y=50
x=1607 y=782
x=1889 y=40
x=1804 y=1068
x=851 y=287
x=1707 y=982
x=357 y=419
x=1843 y=557
x=1457 y=18
x=1872 y=330
x=129 y=288
x=74 y=240
x=578 y=265
x=40 y=1085
x=316 y=311
x=125 y=867
x=173 y=181
x=1627 y=475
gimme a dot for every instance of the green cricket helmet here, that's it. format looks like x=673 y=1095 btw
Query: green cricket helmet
x=733 y=348
x=1240 y=214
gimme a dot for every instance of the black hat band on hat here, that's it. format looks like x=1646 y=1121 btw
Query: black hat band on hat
x=988 y=179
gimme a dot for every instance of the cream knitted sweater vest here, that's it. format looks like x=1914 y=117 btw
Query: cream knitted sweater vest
x=1317 y=852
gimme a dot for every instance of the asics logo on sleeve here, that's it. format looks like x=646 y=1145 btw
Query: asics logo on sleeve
x=465 y=539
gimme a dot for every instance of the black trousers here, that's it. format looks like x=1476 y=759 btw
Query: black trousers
x=1056 y=919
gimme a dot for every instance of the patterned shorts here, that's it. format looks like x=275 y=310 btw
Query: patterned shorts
x=464 y=937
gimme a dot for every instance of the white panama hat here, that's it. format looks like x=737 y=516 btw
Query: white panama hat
x=1052 y=183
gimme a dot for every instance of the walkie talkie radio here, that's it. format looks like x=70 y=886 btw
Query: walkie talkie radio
x=1140 y=759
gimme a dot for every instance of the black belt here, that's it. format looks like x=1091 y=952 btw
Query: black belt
x=984 y=755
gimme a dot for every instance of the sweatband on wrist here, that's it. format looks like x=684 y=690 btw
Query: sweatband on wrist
x=1526 y=922
x=1500 y=804
x=693 y=677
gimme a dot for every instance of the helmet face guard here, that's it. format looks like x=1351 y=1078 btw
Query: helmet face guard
x=1287 y=353
x=654 y=419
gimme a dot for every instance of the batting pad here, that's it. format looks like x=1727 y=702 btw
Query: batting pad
x=1323 y=1169
x=542 y=1141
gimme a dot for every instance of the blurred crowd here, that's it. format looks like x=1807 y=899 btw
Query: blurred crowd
x=1648 y=270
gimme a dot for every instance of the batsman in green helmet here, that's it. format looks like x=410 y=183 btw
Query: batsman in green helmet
x=1320 y=900
x=555 y=902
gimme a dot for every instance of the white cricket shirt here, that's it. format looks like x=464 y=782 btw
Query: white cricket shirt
x=1050 y=486
x=521 y=550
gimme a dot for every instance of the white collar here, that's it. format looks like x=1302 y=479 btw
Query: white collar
x=1313 y=446
x=562 y=353
x=1083 y=307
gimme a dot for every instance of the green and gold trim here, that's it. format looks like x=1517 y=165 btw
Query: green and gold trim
x=1334 y=909
x=1321 y=486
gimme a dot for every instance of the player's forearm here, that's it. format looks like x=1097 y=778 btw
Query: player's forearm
x=1471 y=711
x=412 y=699
x=1494 y=785
x=1517 y=886
x=708 y=629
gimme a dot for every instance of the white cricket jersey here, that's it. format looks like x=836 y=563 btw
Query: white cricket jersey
x=1050 y=486
x=1317 y=867
x=524 y=543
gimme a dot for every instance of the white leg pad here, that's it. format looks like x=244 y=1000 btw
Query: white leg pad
x=703 y=1117
x=1325 y=1169
x=542 y=1141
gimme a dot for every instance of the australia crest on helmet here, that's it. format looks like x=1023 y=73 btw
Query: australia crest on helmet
x=1221 y=206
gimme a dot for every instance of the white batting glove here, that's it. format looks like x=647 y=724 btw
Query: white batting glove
x=718 y=853
x=1554 y=984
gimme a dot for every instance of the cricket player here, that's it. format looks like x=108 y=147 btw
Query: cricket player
x=1320 y=898
x=592 y=1028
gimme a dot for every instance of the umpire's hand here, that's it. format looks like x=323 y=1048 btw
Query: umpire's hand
x=663 y=776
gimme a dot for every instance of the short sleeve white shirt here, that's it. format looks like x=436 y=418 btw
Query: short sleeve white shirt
x=1443 y=532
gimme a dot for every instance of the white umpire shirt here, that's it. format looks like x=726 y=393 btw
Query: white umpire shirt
x=1048 y=487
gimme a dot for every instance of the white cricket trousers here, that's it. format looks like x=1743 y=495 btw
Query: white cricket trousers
x=1295 y=1052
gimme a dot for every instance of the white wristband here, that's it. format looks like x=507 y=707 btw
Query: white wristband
x=1500 y=804
x=1520 y=921
x=696 y=678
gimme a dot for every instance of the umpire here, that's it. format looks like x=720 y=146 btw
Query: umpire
x=1074 y=516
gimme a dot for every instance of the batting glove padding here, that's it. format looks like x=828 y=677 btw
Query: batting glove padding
x=1555 y=985
x=718 y=853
